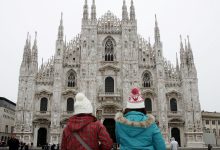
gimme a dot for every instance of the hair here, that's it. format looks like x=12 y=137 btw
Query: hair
x=142 y=110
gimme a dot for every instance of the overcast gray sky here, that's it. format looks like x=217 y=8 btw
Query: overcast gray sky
x=200 y=19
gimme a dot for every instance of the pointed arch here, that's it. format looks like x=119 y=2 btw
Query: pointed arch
x=147 y=80
x=71 y=78
x=109 y=44
x=109 y=50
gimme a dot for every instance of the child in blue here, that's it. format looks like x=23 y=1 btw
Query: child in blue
x=135 y=130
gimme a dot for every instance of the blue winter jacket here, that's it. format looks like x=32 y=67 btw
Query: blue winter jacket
x=136 y=131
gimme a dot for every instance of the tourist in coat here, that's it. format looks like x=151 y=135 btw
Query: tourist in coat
x=92 y=131
x=173 y=144
x=135 y=130
x=13 y=143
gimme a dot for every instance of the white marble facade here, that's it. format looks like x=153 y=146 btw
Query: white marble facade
x=105 y=61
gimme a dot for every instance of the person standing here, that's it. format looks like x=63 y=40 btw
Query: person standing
x=135 y=130
x=13 y=143
x=173 y=144
x=83 y=129
x=209 y=147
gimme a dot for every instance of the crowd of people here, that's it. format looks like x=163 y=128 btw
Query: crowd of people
x=134 y=129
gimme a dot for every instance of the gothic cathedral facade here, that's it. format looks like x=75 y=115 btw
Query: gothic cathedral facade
x=105 y=61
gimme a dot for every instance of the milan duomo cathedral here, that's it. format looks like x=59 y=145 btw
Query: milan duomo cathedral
x=105 y=61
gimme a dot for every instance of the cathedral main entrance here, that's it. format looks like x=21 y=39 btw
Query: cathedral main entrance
x=106 y=114
x=42 y=137
x=110 y=126
x=175 y=132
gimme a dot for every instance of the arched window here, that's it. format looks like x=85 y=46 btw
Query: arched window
x=109 y=50
x=109 y=84
x=173 y=104
x=147 y=80
x=148 y=105
x=71 y=80
x=43 y=104
x=70 y=104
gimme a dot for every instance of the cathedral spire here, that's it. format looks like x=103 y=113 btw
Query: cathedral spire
x=186 y=48
x=132 y=11
x=25 y=53
x=60 y=30
x=156 y=31
x=34 y=48
x=35 y=42
x=181 y=44
x=35 y=54
x=85 y=11
x=29 y=50
x=93 y=10
x=182 y=53
x=190 y=54
x=124 y=11
x=177 y=63
x=189 y=46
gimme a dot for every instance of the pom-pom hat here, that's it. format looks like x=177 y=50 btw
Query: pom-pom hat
x=82 y=105
x=135 y=99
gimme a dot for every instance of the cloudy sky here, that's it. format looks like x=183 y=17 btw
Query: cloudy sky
x=199 y=19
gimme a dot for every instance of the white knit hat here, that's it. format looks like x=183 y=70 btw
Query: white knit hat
x=135 y=99
x=82 y=105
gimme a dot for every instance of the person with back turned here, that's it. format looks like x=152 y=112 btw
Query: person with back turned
x=83 y=131
x=173 y=144
x=135 y=130
x=13 y=143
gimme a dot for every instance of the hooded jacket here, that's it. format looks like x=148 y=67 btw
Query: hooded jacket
x=93 y=133
x=173 y=144
x=136 y=131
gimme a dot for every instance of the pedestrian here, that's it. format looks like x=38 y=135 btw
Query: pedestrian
x=84 y=130
x=173 y=144
x=13 y=143
x=52 y=147
x=26 y=147
x=209 y=147
x=136 y=130
x=21 y=145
